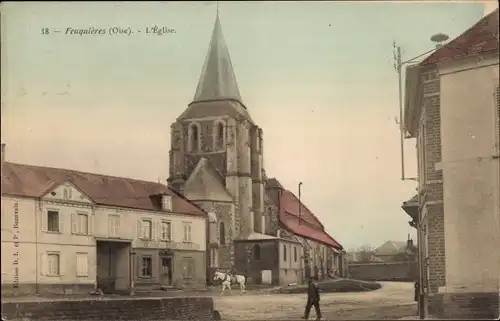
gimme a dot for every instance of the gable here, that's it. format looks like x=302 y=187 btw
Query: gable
x=67 y=192
x=205 y=184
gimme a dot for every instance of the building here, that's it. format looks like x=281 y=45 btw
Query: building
x=395 y=251
x=217 y=162
x=68 y=232
x=452 y=109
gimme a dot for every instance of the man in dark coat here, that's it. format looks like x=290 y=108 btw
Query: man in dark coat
x=312 y=300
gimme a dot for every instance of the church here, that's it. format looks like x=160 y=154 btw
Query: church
x=256 y=227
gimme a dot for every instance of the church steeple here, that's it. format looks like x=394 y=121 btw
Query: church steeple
x=217 y=79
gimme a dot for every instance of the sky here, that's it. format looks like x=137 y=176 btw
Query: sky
x=318 y=78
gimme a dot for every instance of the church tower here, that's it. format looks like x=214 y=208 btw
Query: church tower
x=216 y=156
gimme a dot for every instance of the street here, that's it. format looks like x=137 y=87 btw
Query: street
x=393 y=301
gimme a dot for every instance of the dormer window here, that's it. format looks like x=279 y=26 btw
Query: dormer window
x=194 y=137
x=167 y=203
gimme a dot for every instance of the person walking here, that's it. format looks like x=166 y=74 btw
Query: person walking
x=312 y=300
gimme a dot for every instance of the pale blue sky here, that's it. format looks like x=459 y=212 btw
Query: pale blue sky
x=316 y=76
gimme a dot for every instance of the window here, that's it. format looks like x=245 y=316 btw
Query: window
x=146 y=267
x=53 y=221
x=188 y=268
x=284 y=252
x=113 y=225
x=80 y=223
x=295 y=254
x=165 y=231
x=53 y=264
x=167 y=202
x=82 y=264
x=219 y=135
x=222 y=232
x=147 y=229
x=256 y=252
x=187 y=232
x=194 y=137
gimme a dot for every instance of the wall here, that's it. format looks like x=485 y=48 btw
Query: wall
x=269 y=260
x=387 y=271
x=187 y=308
x=471 y=174
x=23 y=240
x=431 y=184
x=290 y=269
x=129 y=220
x=179 y=280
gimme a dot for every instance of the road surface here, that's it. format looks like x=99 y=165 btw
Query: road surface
x=393 y=301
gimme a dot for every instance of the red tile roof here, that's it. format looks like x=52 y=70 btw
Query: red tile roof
x=307 y=224
x=479 y=39
x=36 y=181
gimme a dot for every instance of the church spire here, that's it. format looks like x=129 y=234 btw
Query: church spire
x=217 y=79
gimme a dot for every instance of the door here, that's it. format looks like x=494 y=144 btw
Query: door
x=166 y=271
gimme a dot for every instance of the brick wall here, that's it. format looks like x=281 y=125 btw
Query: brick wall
x=431 y=189
x=186 y=308
x=388 y=271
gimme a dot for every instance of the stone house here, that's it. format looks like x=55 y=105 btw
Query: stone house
x=68 y=232
x=452 y=109
x=217 y=162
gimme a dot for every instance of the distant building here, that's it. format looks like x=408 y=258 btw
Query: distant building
x=217 y=161
x=395 y=251
x=67 y=231
x=452 y=109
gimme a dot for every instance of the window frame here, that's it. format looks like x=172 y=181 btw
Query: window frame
x=143 y=229
x=169 y=224
x=58 y=256
x=86 y=273
x=187 y=227
x=58 y=220
x=113 y=225
x=79 y=225
x=142 y=267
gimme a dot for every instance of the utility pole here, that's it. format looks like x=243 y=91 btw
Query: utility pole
x=397 y=67
x=300 y=204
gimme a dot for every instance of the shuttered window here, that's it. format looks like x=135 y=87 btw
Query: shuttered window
x=82 y=264
x=113 y=226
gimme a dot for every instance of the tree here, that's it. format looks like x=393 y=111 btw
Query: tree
x=364 y=254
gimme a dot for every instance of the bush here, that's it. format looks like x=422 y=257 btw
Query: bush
x=338 y=285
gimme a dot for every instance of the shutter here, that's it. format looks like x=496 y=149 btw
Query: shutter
x=90 y=219
x=74 y=227
x=154 y=230
x=86 y=265
x=44 y=270
x=139 y=229
x=61 y=222
x=110 y=226
x=62 y=265
x=116 y=226
x=44 y=221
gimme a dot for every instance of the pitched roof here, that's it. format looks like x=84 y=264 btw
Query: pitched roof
x=217 y=79
x=273 y=183
x=390 y=248
x=206 y=183
x=36 y=181
x=481 y=38
x=306 y=224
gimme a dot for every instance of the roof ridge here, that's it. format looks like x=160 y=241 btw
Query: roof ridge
x=88 y=173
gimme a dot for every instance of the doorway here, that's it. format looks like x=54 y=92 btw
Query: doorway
x=166 y=270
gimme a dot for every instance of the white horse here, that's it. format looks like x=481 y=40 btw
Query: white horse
x=228 y=279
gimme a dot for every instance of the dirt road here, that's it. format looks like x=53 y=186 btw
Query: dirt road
x=393 y=301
